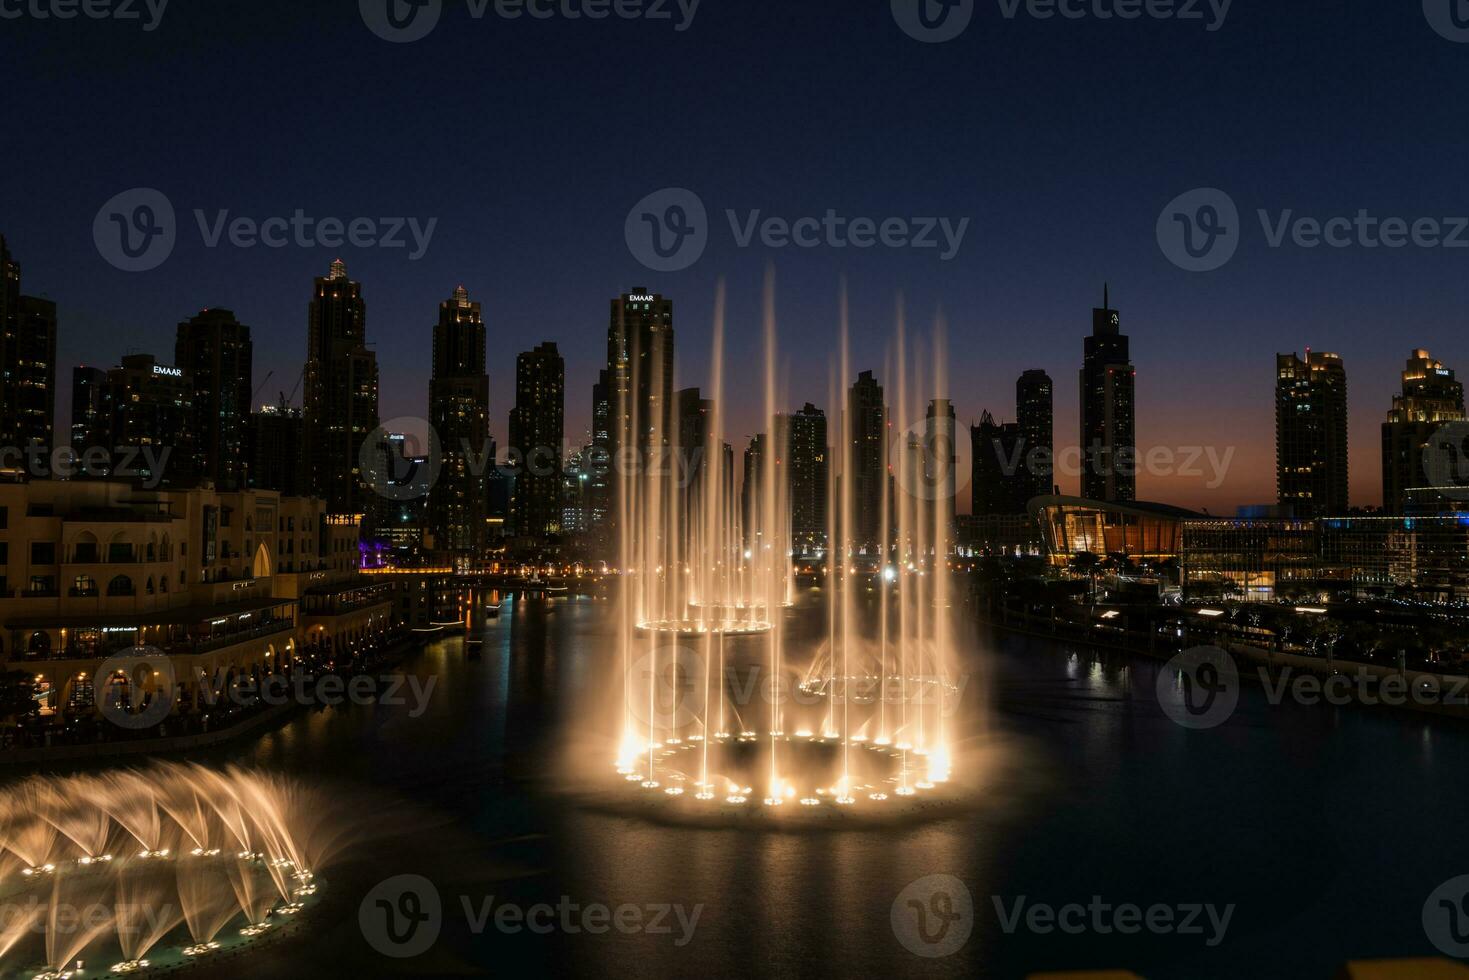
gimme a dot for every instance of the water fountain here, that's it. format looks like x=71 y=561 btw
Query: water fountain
x=145 y=870
x=857 y=718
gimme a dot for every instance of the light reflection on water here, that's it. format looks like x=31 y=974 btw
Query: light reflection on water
x=1312 y=821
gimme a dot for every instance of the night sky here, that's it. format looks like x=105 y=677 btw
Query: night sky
x=529 y=141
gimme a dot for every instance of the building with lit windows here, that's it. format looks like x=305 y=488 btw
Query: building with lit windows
x=1431 y=397
x=1311 y=433
x=240 y=583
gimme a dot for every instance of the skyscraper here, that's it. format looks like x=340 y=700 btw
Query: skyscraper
x=640 y=373
x=867 y=456
x=536 y=435
x=9 y=324
x=459 y=410
x=214 y=349
x=150 y=425
x=1311 y=433
x=941 y=462
x=30 y=375
x=1108 y=435
x=755 y=454
x=1430 y=397
x=27 y=362
x=275 y=450
x=89 y=408
x=998 y=485
x=341 y=389
x=1035 y=419
x=808 y=457
x=597 y=464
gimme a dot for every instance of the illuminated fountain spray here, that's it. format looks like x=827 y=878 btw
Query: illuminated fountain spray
x=155 y=864
x=857 y=717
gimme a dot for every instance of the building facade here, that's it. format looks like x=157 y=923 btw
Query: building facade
x=867 y=451
x=459 y=410
x=214 y=351
x=1108 y=411
x=1311 y=433
x=537 y=426
x=810 y=477
x=223 y=584
x=341 y=393
x=1431 y=398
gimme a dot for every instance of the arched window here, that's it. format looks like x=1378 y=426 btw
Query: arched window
x=121 y=585
x=86 y=550
x=84 y=586
x=40 y=643
x=148 y=586
x=163 y=584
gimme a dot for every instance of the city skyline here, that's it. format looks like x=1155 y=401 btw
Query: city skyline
x=1242 y=485
x=518 y=210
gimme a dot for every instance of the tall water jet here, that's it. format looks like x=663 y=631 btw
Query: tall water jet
x=707 y=581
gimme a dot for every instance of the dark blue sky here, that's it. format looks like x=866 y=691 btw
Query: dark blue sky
x=529 y=141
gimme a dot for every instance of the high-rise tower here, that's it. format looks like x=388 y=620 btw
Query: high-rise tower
x=341 y=393
x=1311 y=433
x=1108 y=410
x=459 y=410
x=536 y=436
x=1431 y=396
x=214 y=350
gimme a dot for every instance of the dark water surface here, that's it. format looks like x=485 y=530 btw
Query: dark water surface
x=1326 y=828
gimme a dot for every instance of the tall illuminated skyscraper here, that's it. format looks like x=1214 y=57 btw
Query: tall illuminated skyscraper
x=808 y=455
x=536 y=437
x=459 y=410
x=867 y=457
x=1431 y=396
x=341 y=393
x=1311 y=433
x=1035 y=418
x=214 y=350
x=1108 y=410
